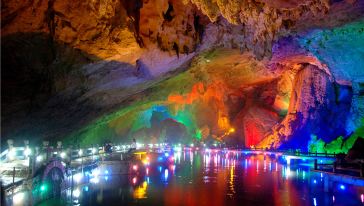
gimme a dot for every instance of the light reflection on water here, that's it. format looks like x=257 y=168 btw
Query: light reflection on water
x=214 y=179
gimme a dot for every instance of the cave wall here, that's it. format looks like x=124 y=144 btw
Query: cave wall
x=258 y=73
x=318 y=106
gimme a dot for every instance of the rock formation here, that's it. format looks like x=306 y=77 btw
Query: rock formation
x=259 y=73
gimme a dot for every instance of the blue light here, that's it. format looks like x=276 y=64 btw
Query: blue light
x=314 y=201
x=160 y=169
x=106 y=172
x=86 y=188
x=314 y=181
x=166 y=154
x=342 y=187
x=166 y=174
x=106 y=178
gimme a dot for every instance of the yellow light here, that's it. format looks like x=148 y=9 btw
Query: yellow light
x=140 y=153
x=146 y=161
x=232 y=130
x=140 y=192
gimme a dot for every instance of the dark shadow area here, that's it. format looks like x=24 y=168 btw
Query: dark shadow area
x=39 y=102
x=168 y=15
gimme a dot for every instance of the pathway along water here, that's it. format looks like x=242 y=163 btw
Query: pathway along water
x=197 y=178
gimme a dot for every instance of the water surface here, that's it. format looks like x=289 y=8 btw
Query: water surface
x=199 y=178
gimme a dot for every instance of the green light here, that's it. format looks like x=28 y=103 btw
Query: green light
x=43 y=188
x=199 y=134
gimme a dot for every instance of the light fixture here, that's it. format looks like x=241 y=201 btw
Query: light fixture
x=63 y=155
x=27 y=152
x=39 y=158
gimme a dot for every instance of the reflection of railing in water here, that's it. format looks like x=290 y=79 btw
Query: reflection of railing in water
x=345 y=168
x=293 y=153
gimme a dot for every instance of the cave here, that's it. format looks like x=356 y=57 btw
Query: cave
x=247 y=74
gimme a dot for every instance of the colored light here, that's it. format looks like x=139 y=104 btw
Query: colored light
x=314 y=201
x=165 y=174
x=18 y=198
x=314 y=181
x=166 y=154
x=106 y=172
x=43 y=188
x=146 y=161
x=362 y=198
x=333 y=198
x=342 y=187
x=147 y=171
x=134 y=180
x=85 y=188
x=135 y=167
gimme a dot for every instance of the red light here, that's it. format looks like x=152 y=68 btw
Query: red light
x=135 y=167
